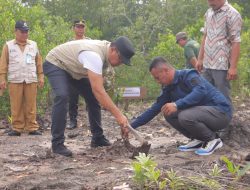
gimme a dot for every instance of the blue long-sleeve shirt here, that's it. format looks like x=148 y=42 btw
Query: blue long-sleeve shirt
x=188 y=89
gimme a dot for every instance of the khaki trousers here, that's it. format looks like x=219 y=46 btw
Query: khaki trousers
x=23 y=106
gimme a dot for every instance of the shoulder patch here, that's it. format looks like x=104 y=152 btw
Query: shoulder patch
x=194 y=81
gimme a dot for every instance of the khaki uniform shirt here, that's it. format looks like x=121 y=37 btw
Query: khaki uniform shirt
x=4 y=61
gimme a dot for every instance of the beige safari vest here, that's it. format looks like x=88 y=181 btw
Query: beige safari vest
x=22 y=65
x=65 y=56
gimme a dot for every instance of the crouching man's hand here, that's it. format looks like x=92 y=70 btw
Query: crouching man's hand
x=169 y=108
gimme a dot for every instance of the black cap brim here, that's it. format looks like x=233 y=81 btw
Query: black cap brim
x=79 y=24
x=23 y=29
x=125 y=61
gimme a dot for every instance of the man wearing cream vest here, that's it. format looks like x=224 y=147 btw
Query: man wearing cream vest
x=22 y=64
x=82 y=63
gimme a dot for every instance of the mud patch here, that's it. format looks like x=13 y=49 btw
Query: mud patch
x=26 y=162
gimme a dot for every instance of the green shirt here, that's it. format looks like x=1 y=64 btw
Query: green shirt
x=191 y=49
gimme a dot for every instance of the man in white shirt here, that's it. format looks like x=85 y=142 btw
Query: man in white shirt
x=65 y=65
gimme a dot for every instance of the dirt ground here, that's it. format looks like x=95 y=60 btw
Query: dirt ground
x=26 y=162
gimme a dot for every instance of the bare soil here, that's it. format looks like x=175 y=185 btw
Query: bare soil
x=26 y=162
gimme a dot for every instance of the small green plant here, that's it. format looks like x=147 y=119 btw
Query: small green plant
x=145 y=173
x=216 y=171
x=10 y=119
x=206 y=182
x=118 y=92
x=235 y=170
x=174 y=182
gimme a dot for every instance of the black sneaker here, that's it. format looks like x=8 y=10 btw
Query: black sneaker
x=14 y=133
x=72 y=125
x=35 y=133
x=100 y=141
x=62 y=150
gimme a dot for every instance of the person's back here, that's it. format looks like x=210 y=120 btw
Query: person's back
x=66 y=55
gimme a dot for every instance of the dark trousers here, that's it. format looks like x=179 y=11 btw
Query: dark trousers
x=218 y=78
x=73 y=104
x=199 y=122
x=60 y=82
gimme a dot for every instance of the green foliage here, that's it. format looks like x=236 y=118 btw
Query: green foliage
x=46 y=29
x=137 y=75
x=241 y=86
x=207 y=182
x=145 y=173
x=194 y=30
x=168 y=48
x=4 y=105
x=234 y=169
x=174 y=182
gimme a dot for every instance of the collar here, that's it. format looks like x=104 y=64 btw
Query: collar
x=223 y=8
x=106 y=52
x=21 y=44
x=175 y=80
x=176 y=76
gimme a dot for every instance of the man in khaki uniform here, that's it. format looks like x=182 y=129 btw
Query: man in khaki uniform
x=79 y=27
x=191 y=49
x=82 y=63
x=21 y=63
x=79 y=34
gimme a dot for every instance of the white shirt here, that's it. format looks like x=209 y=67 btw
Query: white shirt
x=91 y=61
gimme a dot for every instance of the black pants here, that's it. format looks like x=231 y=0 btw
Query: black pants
x=73 y=104
x=200 y=122
x=60 y=82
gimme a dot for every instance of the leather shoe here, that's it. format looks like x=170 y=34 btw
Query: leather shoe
x=35 y=133
x=62 y=150
x=100 y=141
x=14 y=133
x=72 y=125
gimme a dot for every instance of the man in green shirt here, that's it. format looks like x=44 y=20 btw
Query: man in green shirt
x=191 y=49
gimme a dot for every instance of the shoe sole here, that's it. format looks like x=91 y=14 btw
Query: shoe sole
x=209 y=153
x=194 y=148
x=67 y=155
x=188 y=150
x=95 y=146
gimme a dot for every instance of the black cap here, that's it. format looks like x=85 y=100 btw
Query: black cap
x=79 y=22
x=21 y=25
x=125 y=48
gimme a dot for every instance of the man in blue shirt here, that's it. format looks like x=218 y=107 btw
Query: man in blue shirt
x=191 y=105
